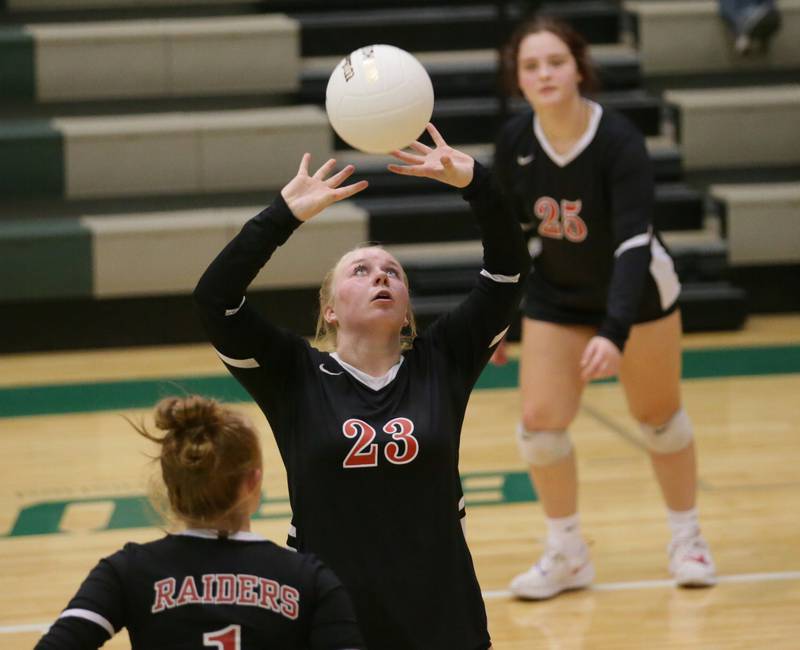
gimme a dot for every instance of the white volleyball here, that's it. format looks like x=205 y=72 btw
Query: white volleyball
x=379 y=98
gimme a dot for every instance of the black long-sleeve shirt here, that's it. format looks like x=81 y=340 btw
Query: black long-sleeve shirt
x=372 y=465
x=592 y=210
x=192 y=590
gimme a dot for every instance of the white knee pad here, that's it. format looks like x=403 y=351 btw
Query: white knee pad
x=542 y=448
x=674 y=436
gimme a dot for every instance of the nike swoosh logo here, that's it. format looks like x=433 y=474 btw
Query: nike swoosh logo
x=328 y=372
x=524 y=160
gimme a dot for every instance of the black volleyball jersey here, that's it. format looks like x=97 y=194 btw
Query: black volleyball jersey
x=193 y=590
x=372 y=464
x=593 y=213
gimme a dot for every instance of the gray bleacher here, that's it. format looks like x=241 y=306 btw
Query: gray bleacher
x=137 y=136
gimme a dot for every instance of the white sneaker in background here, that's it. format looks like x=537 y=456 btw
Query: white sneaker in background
x=555 y=572
x=690 y=562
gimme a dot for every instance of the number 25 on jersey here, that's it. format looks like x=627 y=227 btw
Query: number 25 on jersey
x=560 y=221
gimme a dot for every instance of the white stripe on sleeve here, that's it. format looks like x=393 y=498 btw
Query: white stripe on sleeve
x=663 y=271
x=88 y=615
x=633 y=242
x=237 y=363
x=505 y=279
x=497 y=338
x=231 y=312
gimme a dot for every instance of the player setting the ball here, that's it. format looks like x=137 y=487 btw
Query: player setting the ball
x=369 y=432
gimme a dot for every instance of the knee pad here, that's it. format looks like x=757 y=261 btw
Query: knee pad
x=672 y=437
x=542 y=448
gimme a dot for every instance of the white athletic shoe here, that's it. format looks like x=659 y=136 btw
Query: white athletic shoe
x=553 y=573
x=690 y=562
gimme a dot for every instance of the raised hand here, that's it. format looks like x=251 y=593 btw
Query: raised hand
x=601 y=358
x=443 y=163
x=308 y=195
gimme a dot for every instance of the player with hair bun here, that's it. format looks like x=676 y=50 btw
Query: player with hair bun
x=215 y=583
x=602 y=299
x=370 y=432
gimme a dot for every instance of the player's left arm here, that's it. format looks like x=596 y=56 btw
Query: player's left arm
x=629 y=177
x=333 y=621
x=94 y=614
x=471 y=331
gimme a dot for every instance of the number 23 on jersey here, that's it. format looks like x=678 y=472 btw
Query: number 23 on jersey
x=364 y=453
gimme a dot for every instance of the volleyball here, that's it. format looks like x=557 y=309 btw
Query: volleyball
x=379 y=98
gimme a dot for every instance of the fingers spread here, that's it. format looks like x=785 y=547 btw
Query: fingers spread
x=419 y=147
x=403 y=169
x=340 y=177
x=326 y=169
x=303 y=169
x=437 y=137
x=349 y=190
x=408 y=157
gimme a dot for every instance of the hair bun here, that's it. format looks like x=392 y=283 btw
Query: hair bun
x=184 y=414
x=192 y=424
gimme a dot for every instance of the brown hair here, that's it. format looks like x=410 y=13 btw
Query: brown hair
x=206 y=453
x=325 y=337
x=577 y=45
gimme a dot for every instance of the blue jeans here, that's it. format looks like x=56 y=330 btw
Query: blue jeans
x=736 y=12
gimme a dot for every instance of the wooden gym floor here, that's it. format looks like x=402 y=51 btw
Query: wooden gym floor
x=73 y=478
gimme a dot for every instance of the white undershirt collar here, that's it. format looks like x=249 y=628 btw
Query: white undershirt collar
x=207 y=533
x=375 y=383
x=583 y=142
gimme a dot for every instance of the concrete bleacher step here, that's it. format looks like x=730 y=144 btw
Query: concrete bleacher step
x=440 y=27
x=738 y=127
x=115 y=256
x=688 y=36
x=15 y=6
x=475 y=72
x=71 y=10
x=761 y=222
x=159 y=154
x=150 y=58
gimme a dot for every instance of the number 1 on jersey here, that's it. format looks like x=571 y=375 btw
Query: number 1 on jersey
x=228 y=638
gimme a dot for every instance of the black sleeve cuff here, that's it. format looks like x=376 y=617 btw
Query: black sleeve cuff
x=615 y=332
x=480 y=176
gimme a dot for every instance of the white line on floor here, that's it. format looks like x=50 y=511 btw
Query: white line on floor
x=659 y=584
x=491 y=595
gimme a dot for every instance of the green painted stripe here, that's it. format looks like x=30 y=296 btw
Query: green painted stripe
x=122 y=395
x=113 y=396
x=697 y=364
x=17 y=68
x=45 y=258
x=31 y=159
x=135 y=511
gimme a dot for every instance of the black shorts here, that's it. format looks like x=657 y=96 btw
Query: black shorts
x=536 y=307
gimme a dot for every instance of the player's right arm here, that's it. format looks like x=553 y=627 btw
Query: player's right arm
x=94 y=614
x=241 y=337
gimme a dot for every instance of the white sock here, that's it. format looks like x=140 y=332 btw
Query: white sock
x=564 y=533
x=683 y=523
